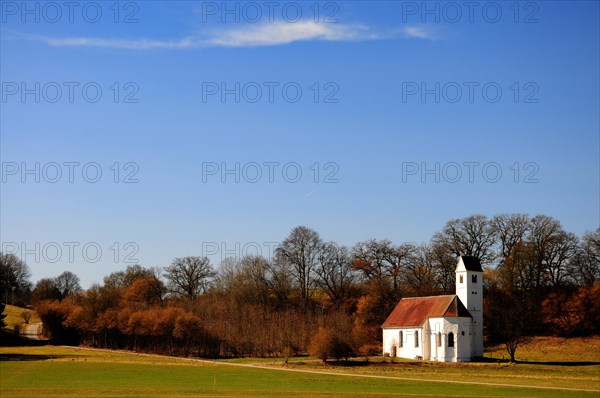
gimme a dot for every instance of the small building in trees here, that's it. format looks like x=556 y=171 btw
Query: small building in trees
x=445 y=328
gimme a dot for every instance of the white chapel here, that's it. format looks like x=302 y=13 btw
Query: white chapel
x=440 y=328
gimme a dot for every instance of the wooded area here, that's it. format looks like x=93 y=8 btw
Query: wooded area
x=323 y=297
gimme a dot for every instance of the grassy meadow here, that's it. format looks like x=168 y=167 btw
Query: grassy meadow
x=13 y=316
x=543 y=362
x=69 y=371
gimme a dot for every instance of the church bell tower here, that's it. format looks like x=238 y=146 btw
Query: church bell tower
x=469 y=289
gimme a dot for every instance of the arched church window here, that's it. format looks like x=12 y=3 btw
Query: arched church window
x=439 y=339
x=474 y=278
x=416 y=338
x=461 y=279
x=450 y=339
x=401 y=339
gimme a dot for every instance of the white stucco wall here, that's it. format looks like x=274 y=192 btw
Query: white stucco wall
x=407 y=349
x=428 y=348
x=462 y=331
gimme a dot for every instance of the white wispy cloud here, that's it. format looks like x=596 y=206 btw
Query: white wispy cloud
x=272 y=34
x=424 y=32
x=139 y=44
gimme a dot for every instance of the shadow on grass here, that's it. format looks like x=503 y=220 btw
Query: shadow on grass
x=362 y=363
x=411 y=364
x=582 y=363
x=8 y=339
x=548 y=363
x=28 y=357
x=351 y=364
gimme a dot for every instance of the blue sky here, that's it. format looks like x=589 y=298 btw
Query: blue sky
x=371 y=132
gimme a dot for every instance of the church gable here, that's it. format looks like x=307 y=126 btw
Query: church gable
x=457 y=309
x=414 y=311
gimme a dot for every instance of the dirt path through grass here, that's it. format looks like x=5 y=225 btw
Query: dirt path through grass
x=329 y=373
x=31 y=331
x=419 y=379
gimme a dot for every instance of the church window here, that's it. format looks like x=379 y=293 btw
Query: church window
x=450 y=339
x=401 y=339
x=461 y=279
x=474 y=278
x=439 y=339
x=416 y=338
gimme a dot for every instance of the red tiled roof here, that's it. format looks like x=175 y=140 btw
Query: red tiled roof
x=413 y=311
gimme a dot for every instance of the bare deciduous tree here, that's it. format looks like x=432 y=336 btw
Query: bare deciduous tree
x=562 y=246
x=543 y=228
x=246 y=279
x=335 y=273
x=130 y=275
x=519 y=270
x=444 y=264
x=585 y=265
x=397 y=260
x=370 y=258
x=517 y=281
x=511 y=325
x=189 y=276
x=26 y=315
x=510 y=230
x=300 y=252
x=469 y=236
x=14 y=278
x=553 y=249
x=280 y=282
x=45 y=289
x=67 y=283
x=420 y=276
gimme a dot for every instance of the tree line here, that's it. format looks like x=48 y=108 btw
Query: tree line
x=538 y=278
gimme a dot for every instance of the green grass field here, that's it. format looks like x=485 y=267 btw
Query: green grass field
x=66 y=371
